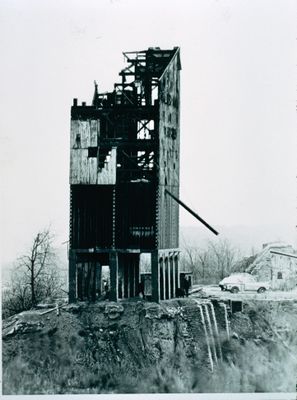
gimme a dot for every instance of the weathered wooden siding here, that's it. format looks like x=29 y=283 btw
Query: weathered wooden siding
x=169 y=145
x=84 y=133
x=83 y=168
x=107 y=176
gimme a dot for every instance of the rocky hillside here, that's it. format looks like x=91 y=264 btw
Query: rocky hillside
x=185 y=345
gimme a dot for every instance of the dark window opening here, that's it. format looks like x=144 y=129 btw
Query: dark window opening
x=279 y=275
x=92 y=151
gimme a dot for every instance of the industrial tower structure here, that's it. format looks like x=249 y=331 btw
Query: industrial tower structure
x=124 y=180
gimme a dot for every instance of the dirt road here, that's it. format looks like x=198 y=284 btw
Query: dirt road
x=271 y=295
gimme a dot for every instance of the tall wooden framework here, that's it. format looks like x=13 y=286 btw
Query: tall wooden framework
x=124 y=164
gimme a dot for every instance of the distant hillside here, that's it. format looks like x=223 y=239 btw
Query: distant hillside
x=249 y=239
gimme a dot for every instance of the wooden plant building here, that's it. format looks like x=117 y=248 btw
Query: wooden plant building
x=124 y=180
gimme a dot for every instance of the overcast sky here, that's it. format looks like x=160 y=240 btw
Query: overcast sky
x=238 y=99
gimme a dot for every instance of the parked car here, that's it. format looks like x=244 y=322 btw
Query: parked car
x=231 y=278
x=240 y=282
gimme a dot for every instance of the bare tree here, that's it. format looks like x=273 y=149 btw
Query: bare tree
x=203 y=262
x=223 y=256
x=211 y=263
x=196 y=261
x=189 y=258
x=15 y=296
x=38 y=258
x=35 y=276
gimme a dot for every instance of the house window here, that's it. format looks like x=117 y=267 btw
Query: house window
x=279 y=275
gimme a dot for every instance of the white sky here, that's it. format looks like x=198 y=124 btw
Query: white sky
x=238 y=88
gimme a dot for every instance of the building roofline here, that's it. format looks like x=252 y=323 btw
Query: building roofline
x=283 y=254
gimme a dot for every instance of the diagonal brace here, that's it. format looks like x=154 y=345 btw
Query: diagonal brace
x=191 y=212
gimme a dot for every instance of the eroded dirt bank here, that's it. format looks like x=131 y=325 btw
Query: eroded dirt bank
x=181 y=345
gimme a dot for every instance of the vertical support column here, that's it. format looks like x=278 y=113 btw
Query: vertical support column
x=93 y=280
x=98 y=278
x=131 y=275
x=113 y=265
x=137 y=274
x=168 y=276
x=89 y=281
x=164 y=279
x=72 y=276
x=82 y=266
x=113 y=217
x=155 y=276
x=79 y=280
x=161 y=279
x=126 y=279
x=173 y=274
x=85 y=280
x=177 y=270
x=121 y=278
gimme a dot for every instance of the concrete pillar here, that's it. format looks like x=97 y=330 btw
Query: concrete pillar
x=171 y=277
x=167 y=280
x=72 y=276
x=155 y=276
x=174 y=277
x=164 y=279
x=177 y=277
x=161 y=279
x=113 y=265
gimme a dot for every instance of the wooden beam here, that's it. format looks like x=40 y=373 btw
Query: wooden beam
x=191 y=212
x=113 y=266
x=72 y=276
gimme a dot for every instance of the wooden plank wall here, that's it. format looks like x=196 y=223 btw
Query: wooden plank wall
x=84 y=169
x=169 y=153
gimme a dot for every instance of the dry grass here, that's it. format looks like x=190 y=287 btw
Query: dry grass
x=261 y=360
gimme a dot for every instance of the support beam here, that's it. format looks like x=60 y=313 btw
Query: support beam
x=98 y=278
x=79 y=288
x=191 y=212
x=72 y=276
x=137 y=275
x=174 y=277
x=126 y=279
x=170 y=276
x=93 y=280
x=113 y=265
x=131 y=275
x=155 y=277
x=167 y=279
x=177 y=276
x=164 y=279
x=121 y=278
